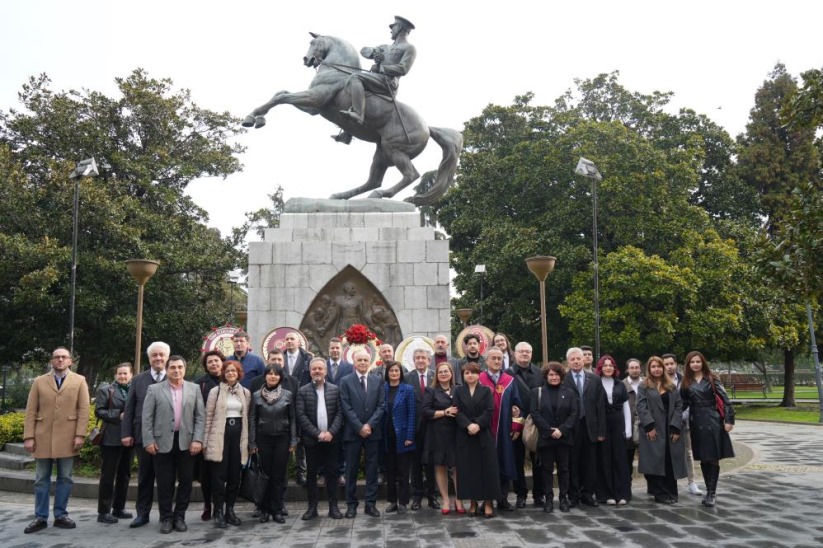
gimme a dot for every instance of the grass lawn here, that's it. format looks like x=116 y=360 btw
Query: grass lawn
x=800 y=392
x=805 y=413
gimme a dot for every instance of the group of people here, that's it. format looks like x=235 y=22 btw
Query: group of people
x=446 y=420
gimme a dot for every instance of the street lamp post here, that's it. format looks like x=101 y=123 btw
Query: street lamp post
x=141 y=270
x=233 y=284
x=587 y=169
x=85 y=168
x=541 y=266
x=481 y=269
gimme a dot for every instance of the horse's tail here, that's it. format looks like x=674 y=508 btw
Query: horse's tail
x=451 y=142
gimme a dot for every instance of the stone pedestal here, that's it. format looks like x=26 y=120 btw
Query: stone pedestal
x=399 y=257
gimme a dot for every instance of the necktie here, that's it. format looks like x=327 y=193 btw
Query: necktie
x=59 y=382
x=422 y=382
x=291 y=364
x=363 y=382
x=579 y=383
x=157 y=377
x=334 y=370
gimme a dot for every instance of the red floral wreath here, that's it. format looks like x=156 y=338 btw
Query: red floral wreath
x=359 y=334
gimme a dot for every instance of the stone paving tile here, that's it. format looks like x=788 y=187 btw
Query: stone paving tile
x=772 y=501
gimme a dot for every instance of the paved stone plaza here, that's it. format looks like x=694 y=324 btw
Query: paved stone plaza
x=772 y=499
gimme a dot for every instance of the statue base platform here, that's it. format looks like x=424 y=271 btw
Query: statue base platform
x=302 y=267
x=366 y=205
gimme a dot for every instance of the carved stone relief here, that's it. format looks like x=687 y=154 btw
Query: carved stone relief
x=347 y=299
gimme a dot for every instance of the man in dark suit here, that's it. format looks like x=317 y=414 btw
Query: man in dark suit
x=337 y=369
x=421 y=377
x=297 y=366
x=362 y=398
x=174 y=420
x=132 y=428
x=320 y=418
x=336 y=366
x=589 y=430
x=528 y=376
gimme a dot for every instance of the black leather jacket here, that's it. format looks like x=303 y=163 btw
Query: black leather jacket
x=275 y=419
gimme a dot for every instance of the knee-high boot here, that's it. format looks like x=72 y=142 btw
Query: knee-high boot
x=711 y=497
x=708 y=473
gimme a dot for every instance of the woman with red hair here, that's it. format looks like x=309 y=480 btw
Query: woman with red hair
x=711 y=418
x=613 y=485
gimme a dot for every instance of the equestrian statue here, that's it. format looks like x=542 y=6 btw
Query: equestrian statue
x=364 y=105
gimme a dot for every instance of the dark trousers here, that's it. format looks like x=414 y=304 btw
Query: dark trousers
x=145 y=481
x=353 y=450
x=274 y=457
x=225 y=475
x=521 y=489
x=114 y=478
x=421 y=487
x=299 y=459
x=663 y=487
x=397 y=476
x=554 y=457
x=177 y=464
x=322 y=455
x=583 y=465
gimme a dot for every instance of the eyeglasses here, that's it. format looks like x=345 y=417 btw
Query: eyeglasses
x=232 y=371
x=61 y=358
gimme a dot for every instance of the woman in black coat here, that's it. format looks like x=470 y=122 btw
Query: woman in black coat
x=554 y=411
x=613 y=485
x=477 y=469
x=116 y=470
x=662 y=453
x=439 y=413
x=709 y=431
x=273 y=433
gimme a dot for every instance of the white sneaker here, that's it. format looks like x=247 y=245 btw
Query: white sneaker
x=694 y=489
x=611 y=502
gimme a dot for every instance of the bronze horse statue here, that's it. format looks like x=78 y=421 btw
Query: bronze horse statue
x=398 y=131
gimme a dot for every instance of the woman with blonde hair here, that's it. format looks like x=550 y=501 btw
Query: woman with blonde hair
x=711 y=418
x=662 y=453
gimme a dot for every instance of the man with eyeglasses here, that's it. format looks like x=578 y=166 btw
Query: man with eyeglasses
x=528 y=376
x=57 y=417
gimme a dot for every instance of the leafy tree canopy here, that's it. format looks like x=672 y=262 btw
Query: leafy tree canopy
x=150 y=142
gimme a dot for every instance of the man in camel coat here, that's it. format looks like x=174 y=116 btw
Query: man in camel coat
x=57 y=418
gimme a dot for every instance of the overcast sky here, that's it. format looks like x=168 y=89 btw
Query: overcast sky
x=234 y=55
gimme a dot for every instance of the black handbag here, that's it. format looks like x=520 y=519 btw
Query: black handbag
x=254 y=482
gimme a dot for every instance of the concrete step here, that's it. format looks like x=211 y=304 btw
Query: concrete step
x=15 y=449
x=14 y=462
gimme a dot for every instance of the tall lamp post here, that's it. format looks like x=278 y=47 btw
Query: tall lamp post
x=587 y=169
x=85 y=168
x=141 y=270
x=541 y=266
x=481 y=269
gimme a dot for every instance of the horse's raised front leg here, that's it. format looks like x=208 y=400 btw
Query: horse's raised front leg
x=257 y=116
x=410 y=175
x=377 y=171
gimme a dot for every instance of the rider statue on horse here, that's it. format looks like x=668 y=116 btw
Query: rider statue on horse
x=338 y=93
x=390 y=63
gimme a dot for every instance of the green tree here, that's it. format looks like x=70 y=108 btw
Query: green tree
x=779 y=161
x=150 y=142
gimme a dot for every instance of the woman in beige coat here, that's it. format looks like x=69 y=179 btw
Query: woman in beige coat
x=227 y=440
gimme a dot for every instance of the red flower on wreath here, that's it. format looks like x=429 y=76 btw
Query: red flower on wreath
x=359 y=334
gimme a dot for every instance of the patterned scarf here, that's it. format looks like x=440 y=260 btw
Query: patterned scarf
x=272 y=395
